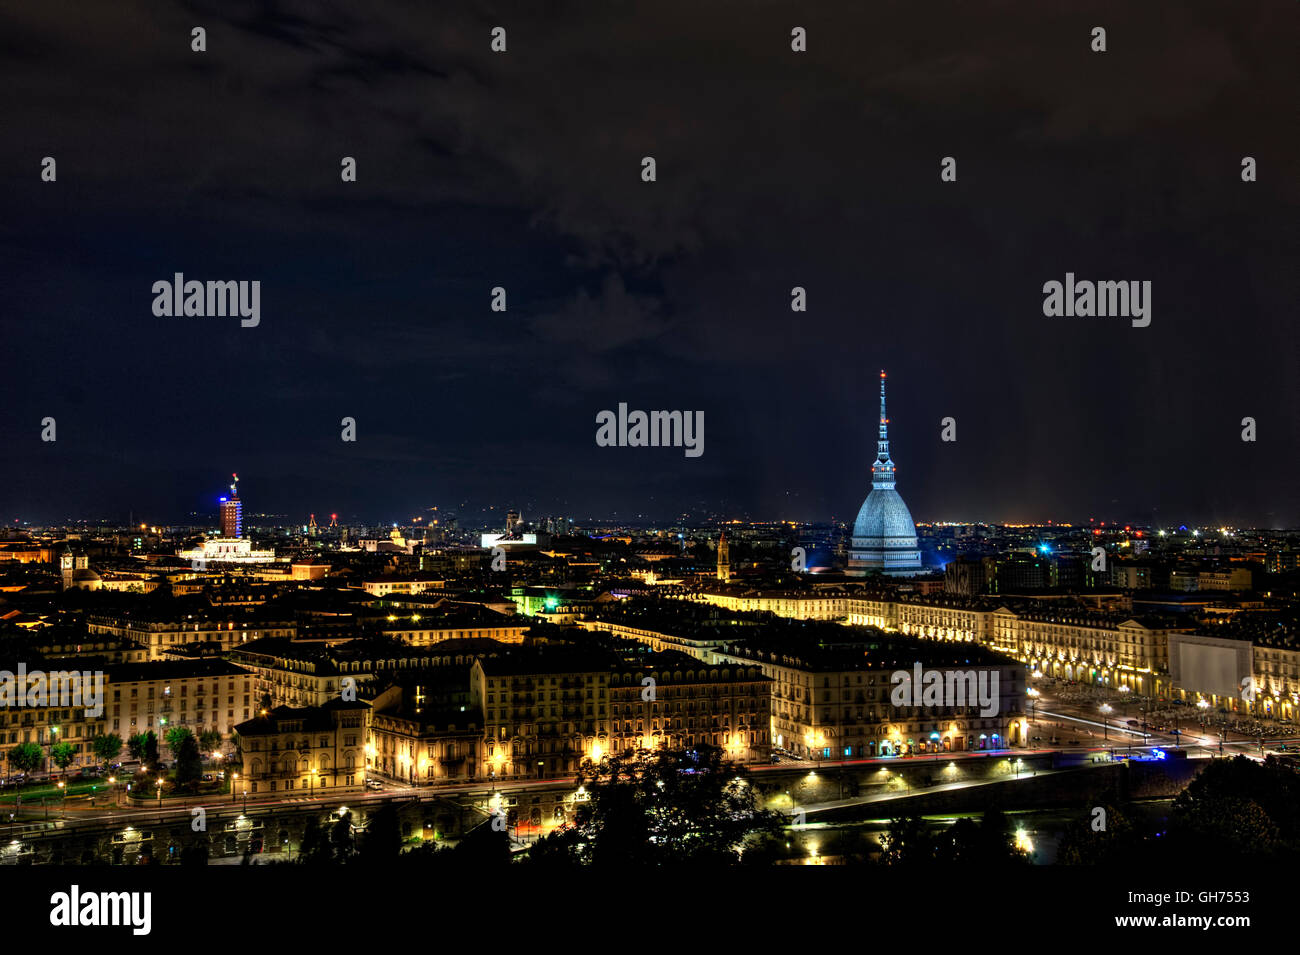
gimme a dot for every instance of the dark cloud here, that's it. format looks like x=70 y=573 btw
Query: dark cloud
x=774 y=170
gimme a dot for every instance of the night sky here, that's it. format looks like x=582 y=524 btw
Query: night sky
x=775 y=169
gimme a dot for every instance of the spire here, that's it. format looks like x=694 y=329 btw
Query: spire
x=234 y=487
x=882 y=472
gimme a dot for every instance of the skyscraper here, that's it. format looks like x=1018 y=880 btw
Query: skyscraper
x=884 y=537
x=232 y=511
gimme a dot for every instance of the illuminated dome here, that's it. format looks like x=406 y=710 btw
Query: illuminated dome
x=884 y=536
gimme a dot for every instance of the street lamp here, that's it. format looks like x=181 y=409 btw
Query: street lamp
x=159 y=786
x=117 y=802
x=234 y=783
x=1106 y=710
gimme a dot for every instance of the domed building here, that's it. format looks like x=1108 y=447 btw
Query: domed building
x=884 y=536
x=86 y=579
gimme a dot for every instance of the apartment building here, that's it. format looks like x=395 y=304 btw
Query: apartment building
x=306 y=750
x=673 y=700
x=835 y=699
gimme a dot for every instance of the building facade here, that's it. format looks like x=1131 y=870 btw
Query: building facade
x=834 y=702
x=306 y=749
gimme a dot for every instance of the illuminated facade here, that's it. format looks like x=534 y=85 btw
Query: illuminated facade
x=546 y=713
x=543 y=714
x=835 y=703
x=158 y=635
x=419 y=745
x=232 y=512
x=196 y=694
x=1108 y=649
x=306 y=749
x=226 y=550
x=688 y=703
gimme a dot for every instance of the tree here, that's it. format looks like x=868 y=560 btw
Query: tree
x=1119 y=843
x=106 y=747
x=144 y=747
x=1224 y=827
x=62 y=754
x=26 y=757
x=210 y=741
x=189 y=763
x=328 y=844
x=175 y=736
x=907 y=841
x=341 y=842
x=1236 y=809
x=997 y=840
x=662 y=807
x=135 y=744
x=314 y=848
x=481 y=848
x=382 y=842
x=989 y=842
x=196 y=853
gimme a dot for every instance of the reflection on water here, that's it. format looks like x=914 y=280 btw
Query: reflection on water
x=840 y=843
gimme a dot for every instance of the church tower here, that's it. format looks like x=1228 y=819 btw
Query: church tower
x=724 y=559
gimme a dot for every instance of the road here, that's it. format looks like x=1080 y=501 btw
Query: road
x=1082 y=720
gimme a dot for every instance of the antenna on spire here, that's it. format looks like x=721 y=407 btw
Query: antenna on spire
x=882 y=472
